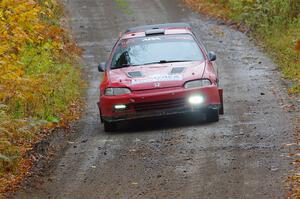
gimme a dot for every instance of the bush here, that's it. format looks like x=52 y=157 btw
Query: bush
x=39 y=78
x=274 y=22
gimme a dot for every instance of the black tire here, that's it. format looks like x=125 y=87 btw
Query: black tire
x=221 y=111
x=212 y=115
x=110 y=126
x=101 y=118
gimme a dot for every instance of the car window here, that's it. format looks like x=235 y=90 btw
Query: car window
x=156 y=49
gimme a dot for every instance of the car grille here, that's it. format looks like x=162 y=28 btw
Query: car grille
x=159 y=105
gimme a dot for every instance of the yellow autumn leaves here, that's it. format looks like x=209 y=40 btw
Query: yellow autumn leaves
x=20 y=25
x=39 y=76
x=30 y=31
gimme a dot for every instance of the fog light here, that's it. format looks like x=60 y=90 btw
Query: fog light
x=120 y=106
x=197 y=99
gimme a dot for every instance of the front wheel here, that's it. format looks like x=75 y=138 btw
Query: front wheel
x=110 y=126
x=212 y=115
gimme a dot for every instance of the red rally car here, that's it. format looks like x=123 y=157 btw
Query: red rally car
x=158 y=70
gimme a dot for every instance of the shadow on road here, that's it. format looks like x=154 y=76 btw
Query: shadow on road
x=161 y=124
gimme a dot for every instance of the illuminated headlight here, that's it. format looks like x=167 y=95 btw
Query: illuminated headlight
x=197 y=83
x=196 y=99
x=120 y=106
x=116 y=91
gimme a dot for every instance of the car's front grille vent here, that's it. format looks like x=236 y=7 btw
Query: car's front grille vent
x=135 y=74
x=177 y=70
x=159 y=105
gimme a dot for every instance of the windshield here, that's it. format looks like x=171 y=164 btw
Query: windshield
x=156 y=49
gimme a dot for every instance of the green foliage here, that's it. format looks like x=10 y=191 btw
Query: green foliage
x=40 y=83
x=274 y=22
x=123 y=6
x=58 y=83
x=277 y=23
x=263 y=15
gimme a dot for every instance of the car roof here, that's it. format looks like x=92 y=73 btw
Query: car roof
x=157 y=29
x=159 y=26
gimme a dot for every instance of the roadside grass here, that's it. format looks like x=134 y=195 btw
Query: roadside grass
x=275 y=23
x=40 y=81
x=123 y=6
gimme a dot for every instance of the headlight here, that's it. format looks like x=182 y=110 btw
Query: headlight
x=197 y=83
x=196 y=99
x=116 y=91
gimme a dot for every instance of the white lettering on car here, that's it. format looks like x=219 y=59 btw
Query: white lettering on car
x=157 y=78
x=152 y=39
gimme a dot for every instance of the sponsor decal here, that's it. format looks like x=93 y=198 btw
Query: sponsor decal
x=157 y=78
x=152 y=39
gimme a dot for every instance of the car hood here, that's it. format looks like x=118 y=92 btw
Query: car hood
x=156 y=75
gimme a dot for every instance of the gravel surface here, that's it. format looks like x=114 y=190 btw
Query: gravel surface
x=242 y=156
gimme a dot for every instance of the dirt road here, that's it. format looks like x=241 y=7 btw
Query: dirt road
x=242 y=156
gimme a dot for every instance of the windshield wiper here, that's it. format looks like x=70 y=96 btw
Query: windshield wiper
x=167 y=61
x=172 y=61
x=126 y=65
x=159 y=62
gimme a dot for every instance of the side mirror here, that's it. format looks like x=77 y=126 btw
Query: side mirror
x=102 y=67
x=212 y=56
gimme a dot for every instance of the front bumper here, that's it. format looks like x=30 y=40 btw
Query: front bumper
x=160 y=113
x=158 y=103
